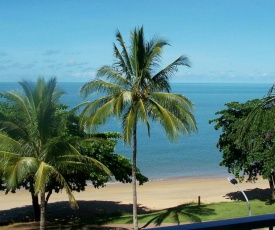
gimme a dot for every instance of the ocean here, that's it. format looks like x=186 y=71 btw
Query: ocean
x=194 y=155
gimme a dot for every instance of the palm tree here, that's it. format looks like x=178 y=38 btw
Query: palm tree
x=136 y=91
x=31 y=150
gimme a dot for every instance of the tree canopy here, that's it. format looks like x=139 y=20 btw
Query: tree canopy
x=247 y=139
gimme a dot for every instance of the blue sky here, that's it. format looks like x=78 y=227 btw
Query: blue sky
x=226 y=40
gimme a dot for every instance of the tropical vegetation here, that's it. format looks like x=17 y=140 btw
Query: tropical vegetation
x=247 y=139
x=32 y=152
x=136 y=90
x=43 y=150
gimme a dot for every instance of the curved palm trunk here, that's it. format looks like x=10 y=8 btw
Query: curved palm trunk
x=42 y=210
x=135 y=220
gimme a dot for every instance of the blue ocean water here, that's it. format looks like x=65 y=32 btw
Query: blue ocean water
x=192 y=155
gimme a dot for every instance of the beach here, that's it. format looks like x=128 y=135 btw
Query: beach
x=155 y=194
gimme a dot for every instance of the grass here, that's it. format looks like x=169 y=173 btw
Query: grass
x=187 y=213
x=181 y=214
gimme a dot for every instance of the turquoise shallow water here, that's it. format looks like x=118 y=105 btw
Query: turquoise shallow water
x=194 y=155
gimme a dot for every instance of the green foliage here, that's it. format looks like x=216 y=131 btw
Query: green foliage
x=247 y=140
x=31 y=151
x=42 y=149
x=136 y=90
x=98 y=146
x=120 y=166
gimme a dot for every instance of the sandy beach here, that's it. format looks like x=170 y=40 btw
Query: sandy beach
x=155 y=194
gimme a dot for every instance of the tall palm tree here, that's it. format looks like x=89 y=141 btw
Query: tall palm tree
x=31 y=150
x=137 y=90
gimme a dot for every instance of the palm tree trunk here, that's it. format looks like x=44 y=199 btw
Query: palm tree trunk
x=272 y=186
x=42 y=210
x=47 y=198
x=36 y=208
x=135 y=220
x=35 y=202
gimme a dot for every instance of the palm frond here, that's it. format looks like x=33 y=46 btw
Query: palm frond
x=13 y=129
x=113 y=76
x=44 y=174
x=154 y=50
x=55 y=92
x=19 y=101
x=142 y=114
x=78 y=163
x=138 y=51
x=65 y=157
x=17 y=168
x=98 y=86
x=123 y=64
x=124 y=59
x=169 y=100
x=6 y=156
x=97 y=111
x=122 y=101
x=128 y=124
x=28 y=91
x=166 y=119
x=55 y=148
x=160 y=80
x=174 y=117
x=8 y=143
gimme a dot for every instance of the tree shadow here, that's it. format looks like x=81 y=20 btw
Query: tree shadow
x=89 y=212
x=252 y=194
x=189 y=212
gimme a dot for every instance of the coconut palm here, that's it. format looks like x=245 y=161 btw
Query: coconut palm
x=31 y=149
x=138 y=90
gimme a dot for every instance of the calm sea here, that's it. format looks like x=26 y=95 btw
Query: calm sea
x=193 y=155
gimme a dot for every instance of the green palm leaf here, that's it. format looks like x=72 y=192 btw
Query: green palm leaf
x=8 y=143
x=99 y=86
x=44 y=174
x=17 y=168
x=128 y=124
x=124 y=62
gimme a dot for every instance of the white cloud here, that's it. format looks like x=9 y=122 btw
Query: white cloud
x=84 y=75
x=71 y=63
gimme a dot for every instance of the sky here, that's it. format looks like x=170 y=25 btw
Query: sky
x=227 y=41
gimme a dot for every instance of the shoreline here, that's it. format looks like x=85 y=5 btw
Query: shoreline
x=155 y=194
x=177 y=178
x=210 y=176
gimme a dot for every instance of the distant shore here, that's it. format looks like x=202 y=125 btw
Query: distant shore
x=155 y=194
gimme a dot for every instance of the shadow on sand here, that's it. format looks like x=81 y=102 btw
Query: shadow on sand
x=96 y=212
